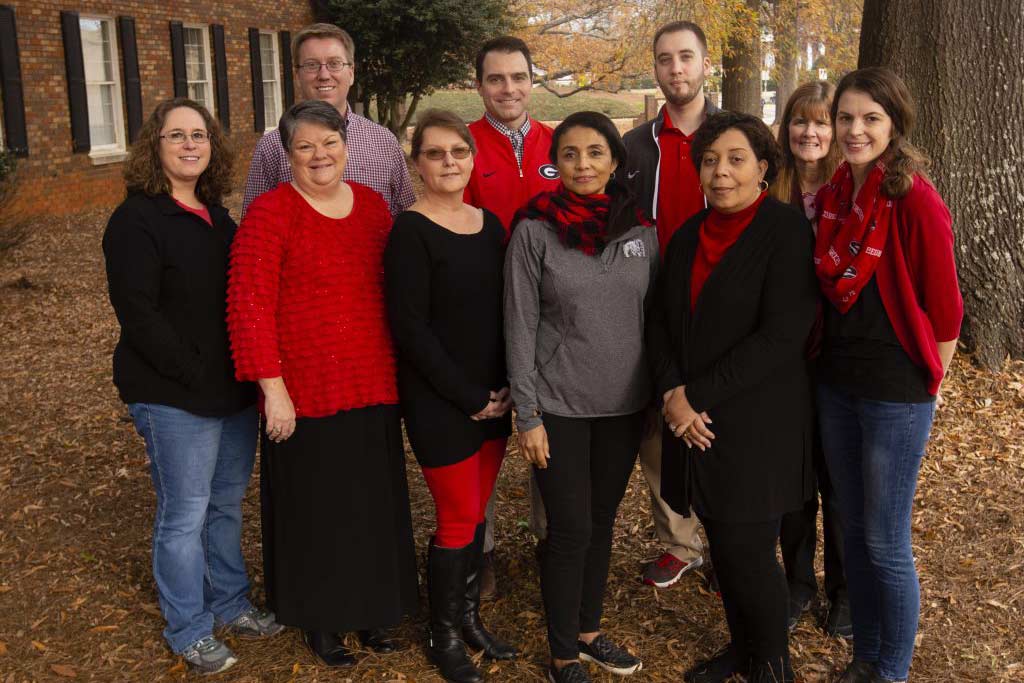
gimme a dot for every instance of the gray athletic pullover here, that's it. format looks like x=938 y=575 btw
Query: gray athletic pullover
x=574 y=324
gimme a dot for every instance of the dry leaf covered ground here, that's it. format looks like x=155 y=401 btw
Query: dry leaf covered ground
x=77 y=599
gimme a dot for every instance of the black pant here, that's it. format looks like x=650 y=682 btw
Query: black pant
x=799 y=536
x=586 y=477
x=753 y=587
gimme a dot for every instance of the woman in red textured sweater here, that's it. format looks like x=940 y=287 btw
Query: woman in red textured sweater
x=307 y=321
x=884 y=258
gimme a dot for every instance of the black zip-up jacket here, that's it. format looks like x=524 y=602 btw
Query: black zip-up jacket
x=643 y=158
x=167 y=277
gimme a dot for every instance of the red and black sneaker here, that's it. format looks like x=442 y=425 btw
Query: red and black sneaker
x=667 y=569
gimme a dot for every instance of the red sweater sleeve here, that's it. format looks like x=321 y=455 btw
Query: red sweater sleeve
x=927 y=235
x=253 y=286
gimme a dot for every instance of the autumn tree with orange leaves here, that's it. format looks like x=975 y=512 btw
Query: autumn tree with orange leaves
x=607 y=45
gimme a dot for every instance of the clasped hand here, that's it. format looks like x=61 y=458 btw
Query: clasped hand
x=684 y=421
x=499 y=404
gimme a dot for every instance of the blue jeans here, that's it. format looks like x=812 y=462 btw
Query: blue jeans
x=200 y=468
x=873 y=450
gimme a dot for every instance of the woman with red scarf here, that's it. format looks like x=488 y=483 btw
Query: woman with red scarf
x=577 y=273
x=884 y=257
x=735 y=302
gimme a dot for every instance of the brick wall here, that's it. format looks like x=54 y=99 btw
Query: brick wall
x=52 y=180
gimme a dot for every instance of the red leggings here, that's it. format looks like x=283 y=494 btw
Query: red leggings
x=461 y=492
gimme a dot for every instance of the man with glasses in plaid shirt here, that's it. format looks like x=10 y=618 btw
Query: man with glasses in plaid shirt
x=323 y=55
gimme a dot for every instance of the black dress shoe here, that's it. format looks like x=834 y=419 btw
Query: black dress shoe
x=799 y=603
x=377 y=639
x=328 y=648
x=859 y=671
x=722 y=666
x=838 y=622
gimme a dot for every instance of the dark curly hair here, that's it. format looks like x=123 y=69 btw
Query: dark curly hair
x=761 y=140
x=144 y=173
x=623 y=213
x=903 y=160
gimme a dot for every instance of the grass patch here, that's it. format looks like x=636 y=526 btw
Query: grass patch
x=543 y=105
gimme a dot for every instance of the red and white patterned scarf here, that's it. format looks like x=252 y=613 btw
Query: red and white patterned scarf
x=851 y=234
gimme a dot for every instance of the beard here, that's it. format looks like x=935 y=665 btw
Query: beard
x=682 y=100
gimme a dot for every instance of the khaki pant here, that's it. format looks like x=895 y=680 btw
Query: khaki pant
x=538 y=518
x=678 y=533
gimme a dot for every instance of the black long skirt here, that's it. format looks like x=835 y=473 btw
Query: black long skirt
x=338 y=551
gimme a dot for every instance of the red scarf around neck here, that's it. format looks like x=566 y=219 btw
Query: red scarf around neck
x=717 y=234
x=851 y=234
x=581 y=220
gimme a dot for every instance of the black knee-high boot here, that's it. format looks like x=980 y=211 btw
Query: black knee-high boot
x=473 y=631
x=446 y=584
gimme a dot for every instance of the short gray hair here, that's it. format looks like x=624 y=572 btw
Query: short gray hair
x=310 y=111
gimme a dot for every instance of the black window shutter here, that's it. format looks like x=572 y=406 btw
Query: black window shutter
x=132 y=82
x=15 y=133
x=220 y=71
x=286 y=69
x=75 y=65
x=256 y=67
x=178 y=60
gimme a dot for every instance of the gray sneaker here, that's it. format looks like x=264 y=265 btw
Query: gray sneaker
x=209 y=656
x=254 y=623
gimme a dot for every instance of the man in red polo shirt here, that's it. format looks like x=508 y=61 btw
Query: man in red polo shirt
x=660 y=172
x=511 y=166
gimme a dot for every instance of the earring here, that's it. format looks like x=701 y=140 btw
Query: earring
x=763 y=185
x=612 y=176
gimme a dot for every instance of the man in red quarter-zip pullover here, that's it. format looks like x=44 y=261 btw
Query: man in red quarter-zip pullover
x=511 y=166
x=512 y=163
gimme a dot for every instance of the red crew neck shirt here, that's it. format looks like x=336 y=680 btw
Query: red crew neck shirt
x=203 y=213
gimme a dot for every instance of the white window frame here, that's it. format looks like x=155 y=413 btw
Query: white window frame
x=116 y=151
x=270 y=122
x=207 y=58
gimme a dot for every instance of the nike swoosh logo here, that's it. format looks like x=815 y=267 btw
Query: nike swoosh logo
x=488 y=175
x=631 y=175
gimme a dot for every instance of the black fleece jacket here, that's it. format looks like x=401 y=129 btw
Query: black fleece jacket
x=167 y=277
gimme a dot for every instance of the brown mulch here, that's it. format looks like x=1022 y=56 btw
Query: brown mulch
x=77 y=599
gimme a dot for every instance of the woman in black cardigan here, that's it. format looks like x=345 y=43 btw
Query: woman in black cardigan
x=734 y=305
x=166 y=250
x=443 y=275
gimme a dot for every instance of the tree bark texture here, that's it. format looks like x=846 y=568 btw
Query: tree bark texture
x=964 y=63
x=786 y=51
x=741 y=65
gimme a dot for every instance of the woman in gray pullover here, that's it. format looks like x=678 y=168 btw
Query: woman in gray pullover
x=577 y=273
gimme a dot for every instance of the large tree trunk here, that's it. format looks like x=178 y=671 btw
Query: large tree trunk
x=741 y=64
x=786 y=52
x=964 y=63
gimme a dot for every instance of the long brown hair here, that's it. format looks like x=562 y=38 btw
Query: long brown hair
x=902 y=159
x=144 y=173
x=809 y=101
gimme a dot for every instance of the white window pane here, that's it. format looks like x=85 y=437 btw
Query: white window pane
x=101 y=115
x=194 y=70
x=270 y=113
x=268 y=66
x=197 y=92
x=108 y=62
x=92 y=49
